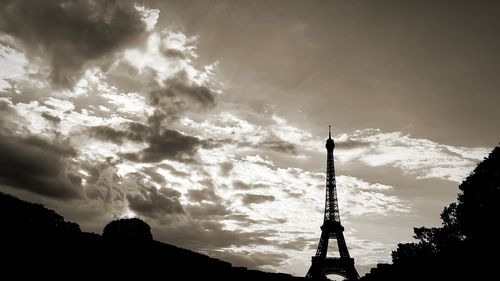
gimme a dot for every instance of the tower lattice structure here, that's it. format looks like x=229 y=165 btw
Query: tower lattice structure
x=321 y=265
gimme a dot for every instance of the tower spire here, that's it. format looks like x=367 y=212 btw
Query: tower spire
x=329 y=131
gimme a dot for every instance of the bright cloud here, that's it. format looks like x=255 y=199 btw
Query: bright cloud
x=149 y=16
x=419 y=157
x=13 y=63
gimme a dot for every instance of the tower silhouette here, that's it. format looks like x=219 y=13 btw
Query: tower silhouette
x=321 y=265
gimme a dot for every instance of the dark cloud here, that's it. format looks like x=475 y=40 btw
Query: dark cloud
x=154 y=175
x=169 y=192
x=169 y=144
x=156 y=203
x=107 y=134
x=173 y=170
x=238 y=184
x=172 y=98
x=206 y=194
x=138 y=129
x=105 y=188
x=51 y=118
x=207 y=202
x=33 y=164
x=134 y=131
x=271 y=142
x=208 y=182
x=95 y=169
x=179 y=87
x=173 y=53
x=5 y=106
x=249 y=199
x=279 y=146
x=161 y=143
x=226 y=168
x=176 y=96
x=71 y=35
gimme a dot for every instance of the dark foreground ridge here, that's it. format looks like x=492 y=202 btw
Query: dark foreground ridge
x=38 y=242
x=466 y=246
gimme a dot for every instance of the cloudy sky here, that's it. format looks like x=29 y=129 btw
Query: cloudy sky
x=207 y=119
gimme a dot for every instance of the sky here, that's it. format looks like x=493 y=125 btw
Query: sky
x=207 y=119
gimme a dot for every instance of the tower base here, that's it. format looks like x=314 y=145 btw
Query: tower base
x=320 y=267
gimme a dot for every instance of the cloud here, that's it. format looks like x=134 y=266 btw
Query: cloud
x=172 y=170
x=298 y=244
x=206 y=211
x=161 y=143
x=202 y=235
x=51 y=118
x=228 y=127
x=153 y=174
x=128 y=103
x=279 y=146
x=13 y=64
x=206 y=194
x=249 y=199
x=419 y=157
x=155 y=203
x=71 y=35
x=369 y=252
x=238 y=184
x=206 y=203
x=134 y=132
x=167 y=54
x=149 y=16
x=33 y=164
x=177 y=45
x=169 y=144
x=107 y=134
x=226 y=168
x=348 y=143
x=361 y=198
x=177 y=95
x=163 y=68
x=178 y=87
x=251 y=259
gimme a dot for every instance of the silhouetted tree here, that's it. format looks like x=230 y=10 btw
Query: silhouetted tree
x=127 y=230
x=466 y=246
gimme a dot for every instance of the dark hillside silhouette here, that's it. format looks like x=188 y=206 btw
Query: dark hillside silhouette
x=467 y=245
x=36 y=242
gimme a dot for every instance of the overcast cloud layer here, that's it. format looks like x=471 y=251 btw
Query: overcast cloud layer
x=108 y=109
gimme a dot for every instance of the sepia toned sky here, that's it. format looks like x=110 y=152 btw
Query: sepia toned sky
x=207 y=119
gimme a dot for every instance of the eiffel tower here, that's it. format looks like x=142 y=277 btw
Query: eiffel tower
x=321 y=265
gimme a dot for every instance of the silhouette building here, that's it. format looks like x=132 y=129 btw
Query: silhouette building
x=321 y=265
